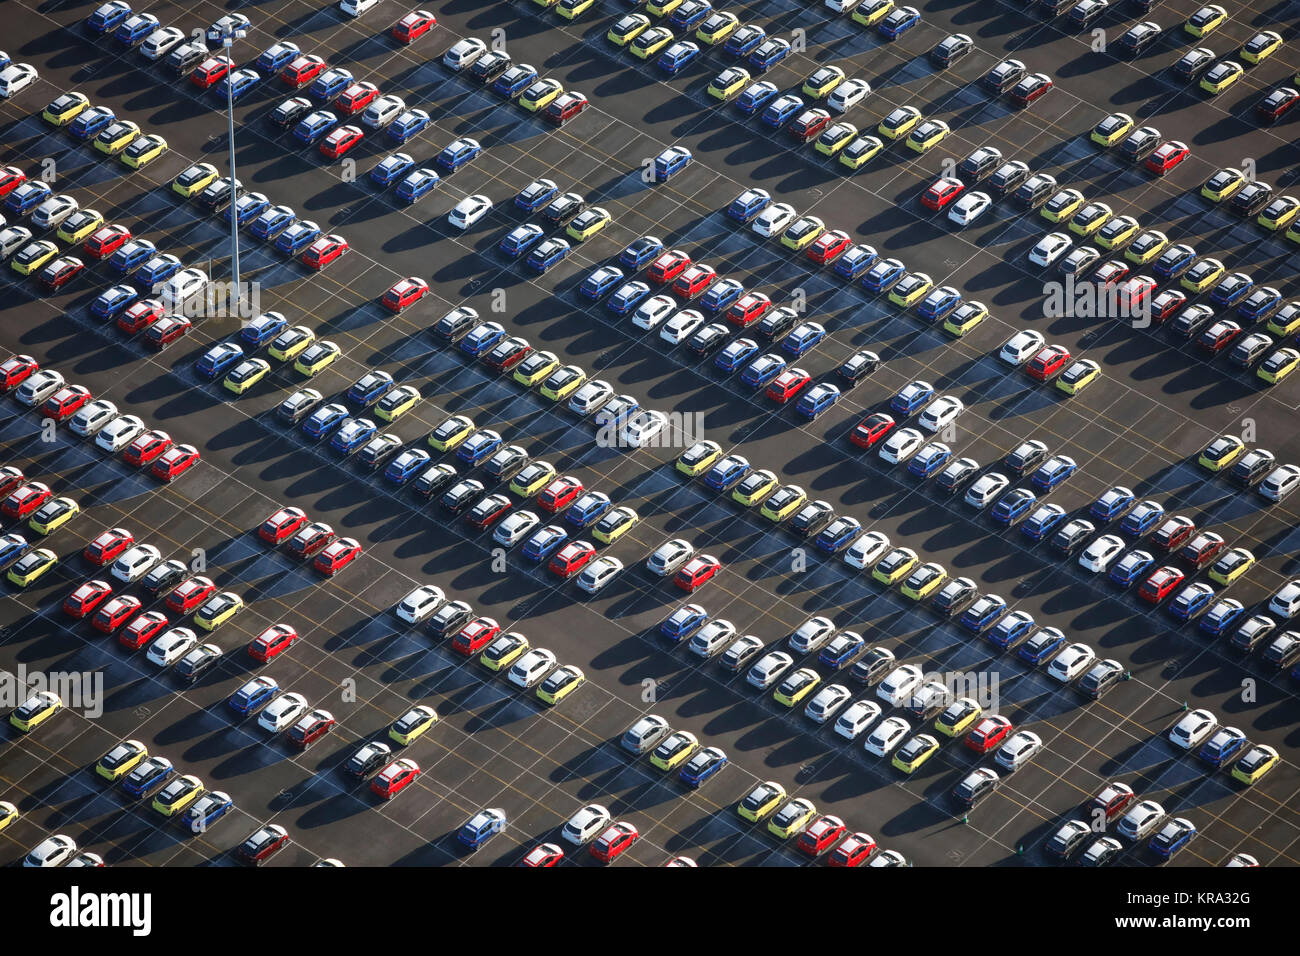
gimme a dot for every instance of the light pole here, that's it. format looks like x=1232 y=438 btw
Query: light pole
x=228 y=39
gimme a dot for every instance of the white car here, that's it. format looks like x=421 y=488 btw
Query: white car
x=383 y=110
x=159 y=43
x=420 y=603
x=941 y=412
x=12 y=239
x=1141 y=820
x=586 y=824
x=39 y=386
x=1193 y=729
x=54 y=210
x=171 y=646
x=1279 y=482
x=1099 y=555
x=599 y=573
x=531 y=668
x=900 y=684
x=773 y=220
x=590 y=396
x=1071 y=662
x=677 y=329
x=669 y=556
x=969 y=207
x=985 y=489
x=463 y=53
x=52 y=851
x=901 y=445
x=769 y=667
x=176 y=290
x=867 y=550
x=15 y=78
x=712 y=637
x=1019 y=750
x=92 y=417
x=514 y=528
x=354 y=8
x=653 y=311
x=826 y=702
x=1021 y=347
x=119 y=433
x=135 y=563
x=889 y=733
x=1286 y=601
x=643 y=427
x=645 y=734
x=848 y=94
x=857 y=718
x=282 y=712
x=469 y=211
x=1050 y=248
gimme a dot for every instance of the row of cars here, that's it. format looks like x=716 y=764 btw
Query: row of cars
x=519 y=83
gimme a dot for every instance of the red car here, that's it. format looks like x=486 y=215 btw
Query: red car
x=307 y=541
x=281 y=525
x=871 y=429
x=143 y=630
x=10 y=478
x=475 y=636
x=264 y=844
x=668 y=267
x=395 y=778
x=140 y=315
x=64 y=403
x=413 y=26
x=748 y=309
x=1135 y=292
x=564 y=108
x=115 y=612
x=508 y=353
x=60 y=272
x=488 y=511
x=1030 y=88
x=1161 y=582
x=1218 y=336
x=1166 y=304
x=210 y=71
x=190 y=594
x=1110 y=272
x=821 y=835
x=174 y=462
x=1167 y=155
x=1271 y=107
x=829 y=246
x=1113 y=799
x=1047 y=362
x=405 y=292
x=571 y=559
x=11 y=177
x=108 y=546
x=166 y=331
x=988 y=734
x=147 y=448
x=324 y=251
x=26 y=499
x=941 y=192
x=357 y=97
x=543 y=855
x=559 y=494
x=311 y=728
x=787 y=385
x=340 y=140
x=16 y=370
x=302 y=70
x=854 y=851
x=106 y=240
x=1173 y=533
x=272 y=642
x=695 y=572
x=694 y=280
x=614 y=842
x=1204 y=549
x=337 y=555
x=809 y=124
x=86 y=598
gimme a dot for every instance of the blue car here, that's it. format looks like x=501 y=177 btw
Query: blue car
x=252 y=696
x=407 y=465
x=883 y=276
x=160 y=770
x=769 y=53
x=297 y=237
x=272 y=222
x=703 y=764
x=628 y=297
x=246 y=208
x=803 y=338
x=981 y=615
x=391 y=168
x=781 y=110
x=108 y=17
x=132 y=255
x=1011 y=629
x=721 y=295
x=912 y=397
x=898 y=22
x=354 y=433
x=683 y=622
x=330 y=84
x=543 y=542
x=1223 y=746
x=210 y=808
x=479 y=447
x=670 y=162
x=588 y=509
x=925 y=464
x=514 y=80
x=90 y=121
x=1232 y=289
x=1013 y=506
x=939 y=304
x=219 y=359
x=842 y=649
x=1173 y=836
x=856 y=261
x=276 y=57
x=520 y=239
x=324 y=420
x=762 y=370
x=1219 y=618
x=838 y=535
x=816 y=400
x=159 y=268
x=547 y=254
x=1142 y=519
x=600 y=281
x=745 y=40
x=263 y=328
x=1042 y=522
x=747 y=206
x=1260 y=304
x=1190 y=601
x=12 y=547
x=1111 y=503
x=1130 y=568
x=736 y=354
x=370 y=388
x=1174 y=265
x=481 y=338
x=417 y=184
x=756 y=96
x=536 y=195
x=480 y=828
x=409 y=123
x=678 y=56
x=240 y=82
x=27 y=197
x=1051 y=473
x=314 y=125
x=726 y=473
x=457 y=154
x=688 y=16
x=639 y=253
x=135 y=28
x=1041 y=646
x=111 y=302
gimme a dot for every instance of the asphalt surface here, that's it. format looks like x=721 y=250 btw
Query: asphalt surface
x=1158 y=403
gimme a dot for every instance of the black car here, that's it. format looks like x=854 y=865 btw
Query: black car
x=956 y=473
x=458 y=497
x=955 y=596
x=951 y=49
x=1068 y=840
x=979 y=164
x=1138 y=38
x=505 y=463
x=432 y=480
x=708 y=338
x=185 y=58
x=220 y=194
x=1140 y=143
x=1008 y=177
x=1193 y=63
x=290 y=111
x=194 y=664
x=1053 y=7
x=450 y=618
x=1084 y=13
x=1251 y=198
x=812 y=518
x=857 y=367
x=777 y=322
x=1252 y=633
x=164 y=575
x=1100 y=678
x=368 y=758
x=489 y=66
x=1035 y=190
x=1189 y=321
x=1026 y=456
x=453 y=326
x=298 y=405
x=1282 y=650
x=563 y=208
x=1071 y=536
x=975 y=787
x=873 y=666
x=1004 y=75
x=1252 y=466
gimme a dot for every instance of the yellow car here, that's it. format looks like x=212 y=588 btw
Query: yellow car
x=674 y=750
x=246 y=374
x=1203 y=274
x=822 y=81
x=116 y=137
x=628 y=28
x=560 y=683
x=1090 y=218
x=871 y=12
x=78 y=227
x=218 y=609
x=1062 y=206
x=290 y=343
x=783 y=502
x=1117 y=233
x=661 y=8
x=32 y=256
x=1205 y=20
x=835 y=137
x=915 y=752
x=448 y=435
x=1221 y=76
x=899 y=122
x=614 y=524
x=178 y=794
x=397 y=403
x=965 y=317
x=539 y=95
x=861 y=151
x=1294 y=232
x=194 y=179
x=65 y=108
x=958 y=717
x=728 y=83
x=792 y=818
x=910 y=289
x=31 y=566
x=54 y=514
x=717 y=26
x=924 y=581
x=1223 y=184
x=699 y=458
x=1231 y=565
x=895 y=566
x=802 y=233
x=1111 y=129
x=795 y=687
x=650 y=42
x=546 y=4
x=413 y=724
x=1221 y=452
x=754 y=488
x=533 y=478
x=316 y=357
x=120 y=761
x=1279 y=213
x=926 y=136
x=1259 y=760
x=761 y=801
x=588 y=222
x=1078 y=376
x=1261 y=46
x=8 y=813
x=535 y=368
x=572 y=9
x=1149 y=244
x=1286 y=320
x=562 y=383
x=1278 y=365
x=503 y=651
x=144 y=150
x=35 y=710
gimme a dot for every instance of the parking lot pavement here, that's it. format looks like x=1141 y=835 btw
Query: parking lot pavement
x=1158 y=402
